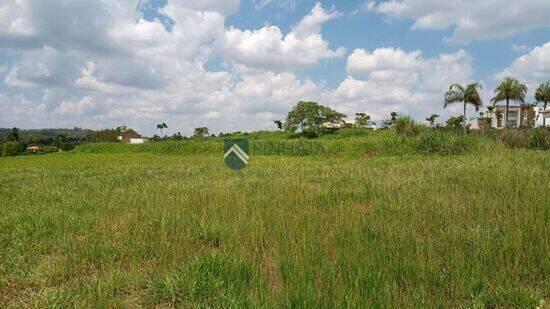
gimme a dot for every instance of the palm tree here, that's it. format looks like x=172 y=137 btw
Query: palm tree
x=161 y=126
x=431 y=119
x=509 y=89
x=543 y=95
x=466 y=95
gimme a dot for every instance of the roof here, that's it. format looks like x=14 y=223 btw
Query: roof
x=33 y=148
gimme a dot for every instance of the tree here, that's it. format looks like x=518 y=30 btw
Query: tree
x=509 y=89
x=362 y=120
x=466 y=95
x=36 y=139
x=432 y=118
x=12 y=148
x=279 y=124
x=200 y=132
x=161 y=126
x=542 y=95
x=13 y=136
x=311 y=116
x=394 y=116
x=455 y=122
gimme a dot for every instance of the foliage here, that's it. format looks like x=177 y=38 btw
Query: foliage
x=374 y=230
x=362 y=120
x=13 y=136
x=514 y=138
x=103 y=136
x=279 y=124
x=444 y=143
x=406 y=127
x=63 y=142
x=12 y=148
x=509 y=89
x=466 y=95
x=311 y=116
x=162 y=126
x=455 y=123
x=542 y=95
x=539 y=139
x=432 y=119
x=200 y=132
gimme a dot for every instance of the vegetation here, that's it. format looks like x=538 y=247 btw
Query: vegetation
x=200 y=132
x=510 y=89
x=324 y=216
x=433 y=220
x=542 y=95
x=431 y=119
x=162 y=126
x=362 y=120
x=466 y=95
x=312 y=116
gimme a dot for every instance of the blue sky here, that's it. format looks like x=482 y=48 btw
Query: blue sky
x=239 y=65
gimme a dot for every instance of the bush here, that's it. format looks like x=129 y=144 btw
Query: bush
x=514 y=138
x=434 y=142
x=406 y=127
x=12 y=148
x=443 y=143
x=539 y=139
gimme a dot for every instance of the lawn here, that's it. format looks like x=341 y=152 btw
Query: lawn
x=368 y=227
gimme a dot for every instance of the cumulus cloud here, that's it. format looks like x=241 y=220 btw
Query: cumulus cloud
x=533 y=67
x=269 y=48
x=470 y=20
x=102 y=64
x=391 y=79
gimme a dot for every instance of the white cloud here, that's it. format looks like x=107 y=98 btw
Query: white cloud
x=470 y=20
x=390 y=79
x=268 y=48
x=533 y=67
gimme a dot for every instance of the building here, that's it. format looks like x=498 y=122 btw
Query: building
x=33 y=149
x=131 y=138
x=518 y=116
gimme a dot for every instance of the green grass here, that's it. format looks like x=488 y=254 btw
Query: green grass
x=362 y=221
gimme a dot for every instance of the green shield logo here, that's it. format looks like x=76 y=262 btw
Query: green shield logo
x=236 y=153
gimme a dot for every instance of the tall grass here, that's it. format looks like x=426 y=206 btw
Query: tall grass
x=121 y=226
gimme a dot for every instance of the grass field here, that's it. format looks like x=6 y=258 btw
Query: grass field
x=351 y=222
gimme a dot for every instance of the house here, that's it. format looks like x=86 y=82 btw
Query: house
x=33 y=149
x=543 y=114
x=131 y=138
x=518 y=116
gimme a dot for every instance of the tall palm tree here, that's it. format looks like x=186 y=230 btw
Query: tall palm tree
x=509 y=89
x=467 y=95
x=162 y=126
x=543 y=95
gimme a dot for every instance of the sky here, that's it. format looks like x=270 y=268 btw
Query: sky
x=241 y=64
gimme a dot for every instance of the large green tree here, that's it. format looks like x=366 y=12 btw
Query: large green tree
x=542 y=95
x=311 y=116
x=362 y=120
x=466 y=95
x=200 y=132
x=509 y=89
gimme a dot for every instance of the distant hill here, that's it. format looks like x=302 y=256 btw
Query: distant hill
x=24 y=135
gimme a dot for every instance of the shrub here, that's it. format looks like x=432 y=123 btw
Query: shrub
x=12 y=148
x=434 y=142
x=514 y=138
x=443 y=143
x=539 y=139
x=405 y=126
